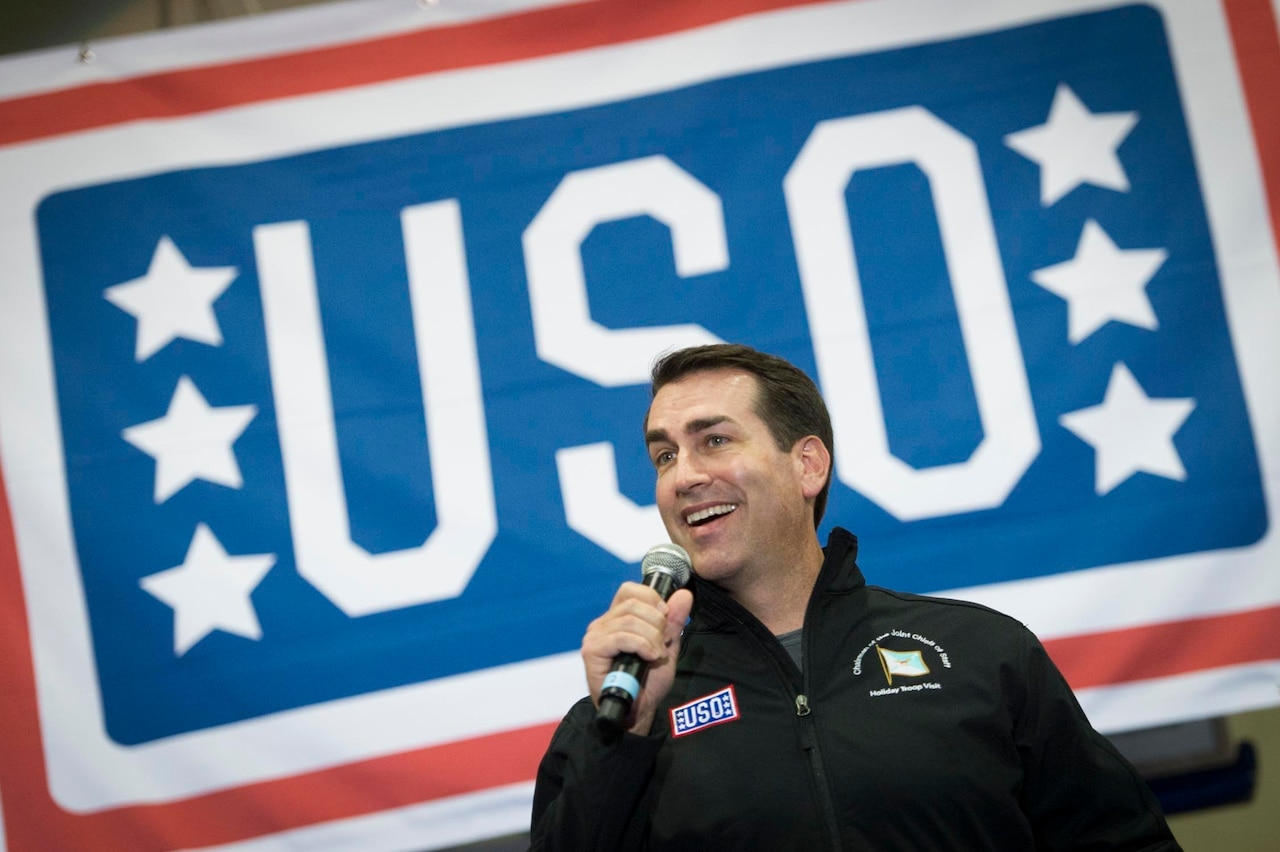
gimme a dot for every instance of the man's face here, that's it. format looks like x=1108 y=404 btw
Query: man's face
x=725 y=491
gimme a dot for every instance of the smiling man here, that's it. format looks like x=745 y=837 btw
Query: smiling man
x=789 y=705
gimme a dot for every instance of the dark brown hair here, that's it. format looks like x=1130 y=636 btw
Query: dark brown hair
x=787 y=400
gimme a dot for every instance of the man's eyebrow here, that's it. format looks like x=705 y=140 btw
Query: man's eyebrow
x=691 y=428
x=653 y=436
x=704 y=423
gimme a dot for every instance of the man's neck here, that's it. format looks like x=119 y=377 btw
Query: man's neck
x=779 y=594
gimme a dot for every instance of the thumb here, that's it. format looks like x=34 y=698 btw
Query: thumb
x=679 y=605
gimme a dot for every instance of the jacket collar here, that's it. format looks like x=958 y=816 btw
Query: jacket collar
x=714 y=609
x=840 y=572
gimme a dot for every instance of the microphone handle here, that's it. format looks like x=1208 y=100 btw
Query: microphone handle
x=615 y=701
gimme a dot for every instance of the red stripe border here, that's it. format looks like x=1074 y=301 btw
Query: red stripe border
x=1169 y=648
x=1257 y=41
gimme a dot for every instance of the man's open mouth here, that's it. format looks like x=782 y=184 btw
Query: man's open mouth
x=701 y=516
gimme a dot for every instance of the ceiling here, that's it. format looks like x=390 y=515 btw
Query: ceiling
x=34 y=24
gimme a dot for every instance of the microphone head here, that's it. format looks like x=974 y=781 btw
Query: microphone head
x=667 y=558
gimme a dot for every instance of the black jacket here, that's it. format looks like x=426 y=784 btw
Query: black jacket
x=917 y=724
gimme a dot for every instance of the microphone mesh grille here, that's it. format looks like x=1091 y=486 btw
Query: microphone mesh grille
x=670 y=559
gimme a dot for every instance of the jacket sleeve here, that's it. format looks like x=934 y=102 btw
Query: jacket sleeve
x=1079 y=791
x=590 y=793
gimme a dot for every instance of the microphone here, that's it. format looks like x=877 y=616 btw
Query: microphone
x=664 y=569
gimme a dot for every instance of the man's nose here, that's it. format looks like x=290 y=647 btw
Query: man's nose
x=691 y=471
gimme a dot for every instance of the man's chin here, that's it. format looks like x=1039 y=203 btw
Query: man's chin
x=710 y=565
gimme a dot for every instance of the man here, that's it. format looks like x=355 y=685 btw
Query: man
x=799 y=708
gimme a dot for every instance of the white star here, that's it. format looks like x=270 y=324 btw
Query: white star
x=210 y=591
x=192 y=441
x=172 y=300
x=1075 y=146
x=1103 y=283
x=1130 y=432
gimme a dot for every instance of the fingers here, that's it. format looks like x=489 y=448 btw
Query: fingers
x=662 y=670
x=635 y=623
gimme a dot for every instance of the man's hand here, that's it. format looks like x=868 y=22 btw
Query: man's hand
x=638 y=622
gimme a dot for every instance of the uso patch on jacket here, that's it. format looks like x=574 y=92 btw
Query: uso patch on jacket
x=714 y=709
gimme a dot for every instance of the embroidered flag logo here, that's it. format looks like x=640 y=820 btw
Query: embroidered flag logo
x=713 y=709
x=903 y=663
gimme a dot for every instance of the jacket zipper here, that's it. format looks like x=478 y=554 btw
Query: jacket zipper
x=809 y=740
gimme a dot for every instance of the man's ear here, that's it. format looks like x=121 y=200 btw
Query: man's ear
x=813 y=460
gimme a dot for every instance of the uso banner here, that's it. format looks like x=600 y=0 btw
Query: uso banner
x=324 y=336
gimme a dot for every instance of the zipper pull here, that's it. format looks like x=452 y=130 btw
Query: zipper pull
x=802 y=706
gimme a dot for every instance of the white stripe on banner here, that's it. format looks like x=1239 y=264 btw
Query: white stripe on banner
x=1182 y=698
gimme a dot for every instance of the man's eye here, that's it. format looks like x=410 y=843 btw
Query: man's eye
x=717 y=440
x=663 y=457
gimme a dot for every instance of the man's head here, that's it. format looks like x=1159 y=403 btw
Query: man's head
x=786 y=399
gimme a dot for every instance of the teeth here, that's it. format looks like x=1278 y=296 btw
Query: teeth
x=710 y=512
